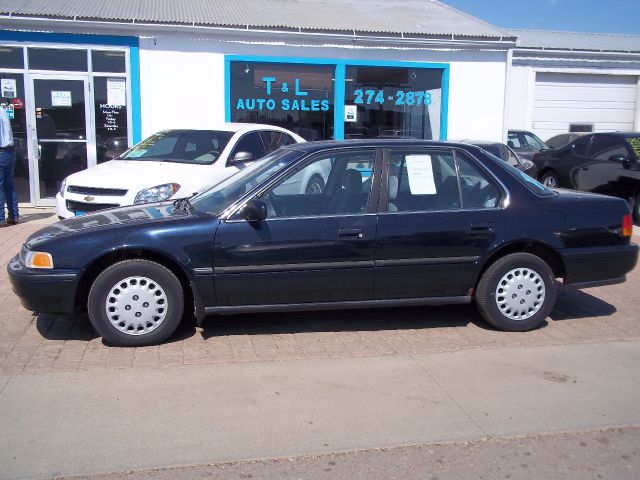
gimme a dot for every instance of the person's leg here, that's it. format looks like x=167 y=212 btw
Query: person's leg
x=4 y=160
x=9 y=189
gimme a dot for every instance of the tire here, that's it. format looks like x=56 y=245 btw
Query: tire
x=152 y=293
x=315 y=185
x=495 y=292
x=550 y=180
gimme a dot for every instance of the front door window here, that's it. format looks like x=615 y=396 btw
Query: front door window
x=339 y=184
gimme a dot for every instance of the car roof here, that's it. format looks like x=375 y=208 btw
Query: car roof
x=311 y=147
x=619 y=134
x=230 y=127
x=478 y=142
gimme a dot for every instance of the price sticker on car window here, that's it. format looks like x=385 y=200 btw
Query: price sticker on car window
x=420 y=171
x=136 y=153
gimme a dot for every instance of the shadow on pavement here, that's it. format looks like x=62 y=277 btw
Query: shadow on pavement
x=351 y=320
x=29 y=217
x=78 y=327
x=573 y=304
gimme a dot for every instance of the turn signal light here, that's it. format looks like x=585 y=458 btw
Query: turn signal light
x=627 y=225
x=40 y=260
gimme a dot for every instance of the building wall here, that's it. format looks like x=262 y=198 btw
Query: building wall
x=522 y=85
x=183 y=80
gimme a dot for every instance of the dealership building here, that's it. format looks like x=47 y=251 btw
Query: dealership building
x=85 y=79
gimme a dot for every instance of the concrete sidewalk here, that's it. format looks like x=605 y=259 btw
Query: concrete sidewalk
x=117 y=420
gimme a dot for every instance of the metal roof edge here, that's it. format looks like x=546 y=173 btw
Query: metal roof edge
x=454 y=40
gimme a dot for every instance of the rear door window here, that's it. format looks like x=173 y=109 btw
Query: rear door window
x=604 y=146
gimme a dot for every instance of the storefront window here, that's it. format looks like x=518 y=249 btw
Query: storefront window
x=12 y=100
x=298 y=97
x=11 y=57
x=112 y=61
x=111 y=117
x=57 y=59
x=391 y=102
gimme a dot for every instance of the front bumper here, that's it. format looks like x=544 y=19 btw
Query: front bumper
x=594 y=266
x=43 y=291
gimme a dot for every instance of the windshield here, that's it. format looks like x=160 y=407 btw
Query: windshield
x=219 y=197
x=525 y=141
x=200 y=147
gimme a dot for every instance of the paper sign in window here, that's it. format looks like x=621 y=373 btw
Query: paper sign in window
x=116 y=92
x=420 y=171
x=60 y=98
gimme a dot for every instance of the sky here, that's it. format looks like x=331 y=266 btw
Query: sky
x=602 y=16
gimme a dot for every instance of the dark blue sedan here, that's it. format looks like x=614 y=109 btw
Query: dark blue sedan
x=429 y=223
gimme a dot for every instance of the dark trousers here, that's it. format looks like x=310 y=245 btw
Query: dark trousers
x=7 y=190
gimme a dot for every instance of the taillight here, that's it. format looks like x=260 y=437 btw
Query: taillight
x=627 y=225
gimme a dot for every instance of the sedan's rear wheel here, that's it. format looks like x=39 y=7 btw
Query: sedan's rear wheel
x=135 y=302
x=517 y=292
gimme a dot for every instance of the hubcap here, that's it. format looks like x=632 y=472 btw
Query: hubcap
x=520 y=293
x=550 y=182
x=136 y=305
x=314 y=188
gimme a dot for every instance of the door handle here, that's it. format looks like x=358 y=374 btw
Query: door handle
x=482 y=227
x=350 y=233
x=584 y=168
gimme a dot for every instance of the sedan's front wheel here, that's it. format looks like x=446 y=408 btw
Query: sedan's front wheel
x=135 y=303
x=550 y=180
x=517 y=292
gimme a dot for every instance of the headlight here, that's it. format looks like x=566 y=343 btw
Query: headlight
x=33 y=259
x=157 y=193
x=63 y=187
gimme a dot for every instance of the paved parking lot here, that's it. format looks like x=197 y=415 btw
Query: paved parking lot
x=46 y=343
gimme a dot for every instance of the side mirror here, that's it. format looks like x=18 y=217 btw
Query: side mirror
x=254 y=211
x=242 y=157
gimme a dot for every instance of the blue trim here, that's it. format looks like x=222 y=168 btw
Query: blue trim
x=444 y=114
x=339 y=83
x=74 y=38
x=227 y=89
x=134 y=79
x=338 y=103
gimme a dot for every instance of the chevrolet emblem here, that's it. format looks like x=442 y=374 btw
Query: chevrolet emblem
x=89 y=198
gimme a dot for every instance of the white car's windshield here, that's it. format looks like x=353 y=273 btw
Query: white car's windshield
x=219 y=197
x=199 y=147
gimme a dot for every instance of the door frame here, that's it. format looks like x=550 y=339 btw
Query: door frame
x=32 y=137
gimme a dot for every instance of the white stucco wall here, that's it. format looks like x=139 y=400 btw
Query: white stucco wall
x=183 y=80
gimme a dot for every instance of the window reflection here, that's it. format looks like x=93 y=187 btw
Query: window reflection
x=390 y=102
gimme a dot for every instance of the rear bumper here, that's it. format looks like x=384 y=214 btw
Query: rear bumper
x=595 y=266
x=43 y=291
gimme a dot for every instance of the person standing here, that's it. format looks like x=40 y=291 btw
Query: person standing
x=7 y=165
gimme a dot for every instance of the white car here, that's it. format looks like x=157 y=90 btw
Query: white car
x=171 y=164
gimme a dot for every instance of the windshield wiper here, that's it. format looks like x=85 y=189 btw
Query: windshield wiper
x=184 y=203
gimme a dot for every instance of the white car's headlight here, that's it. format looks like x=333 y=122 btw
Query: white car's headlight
x=33 y=259
x=157 y=193
x=63 y=187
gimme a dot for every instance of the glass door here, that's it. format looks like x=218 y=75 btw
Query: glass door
x=61 y=140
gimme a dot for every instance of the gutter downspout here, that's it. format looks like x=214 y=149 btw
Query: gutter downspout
x=507 y=96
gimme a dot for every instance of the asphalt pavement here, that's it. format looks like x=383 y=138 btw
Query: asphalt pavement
x=120 y=420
